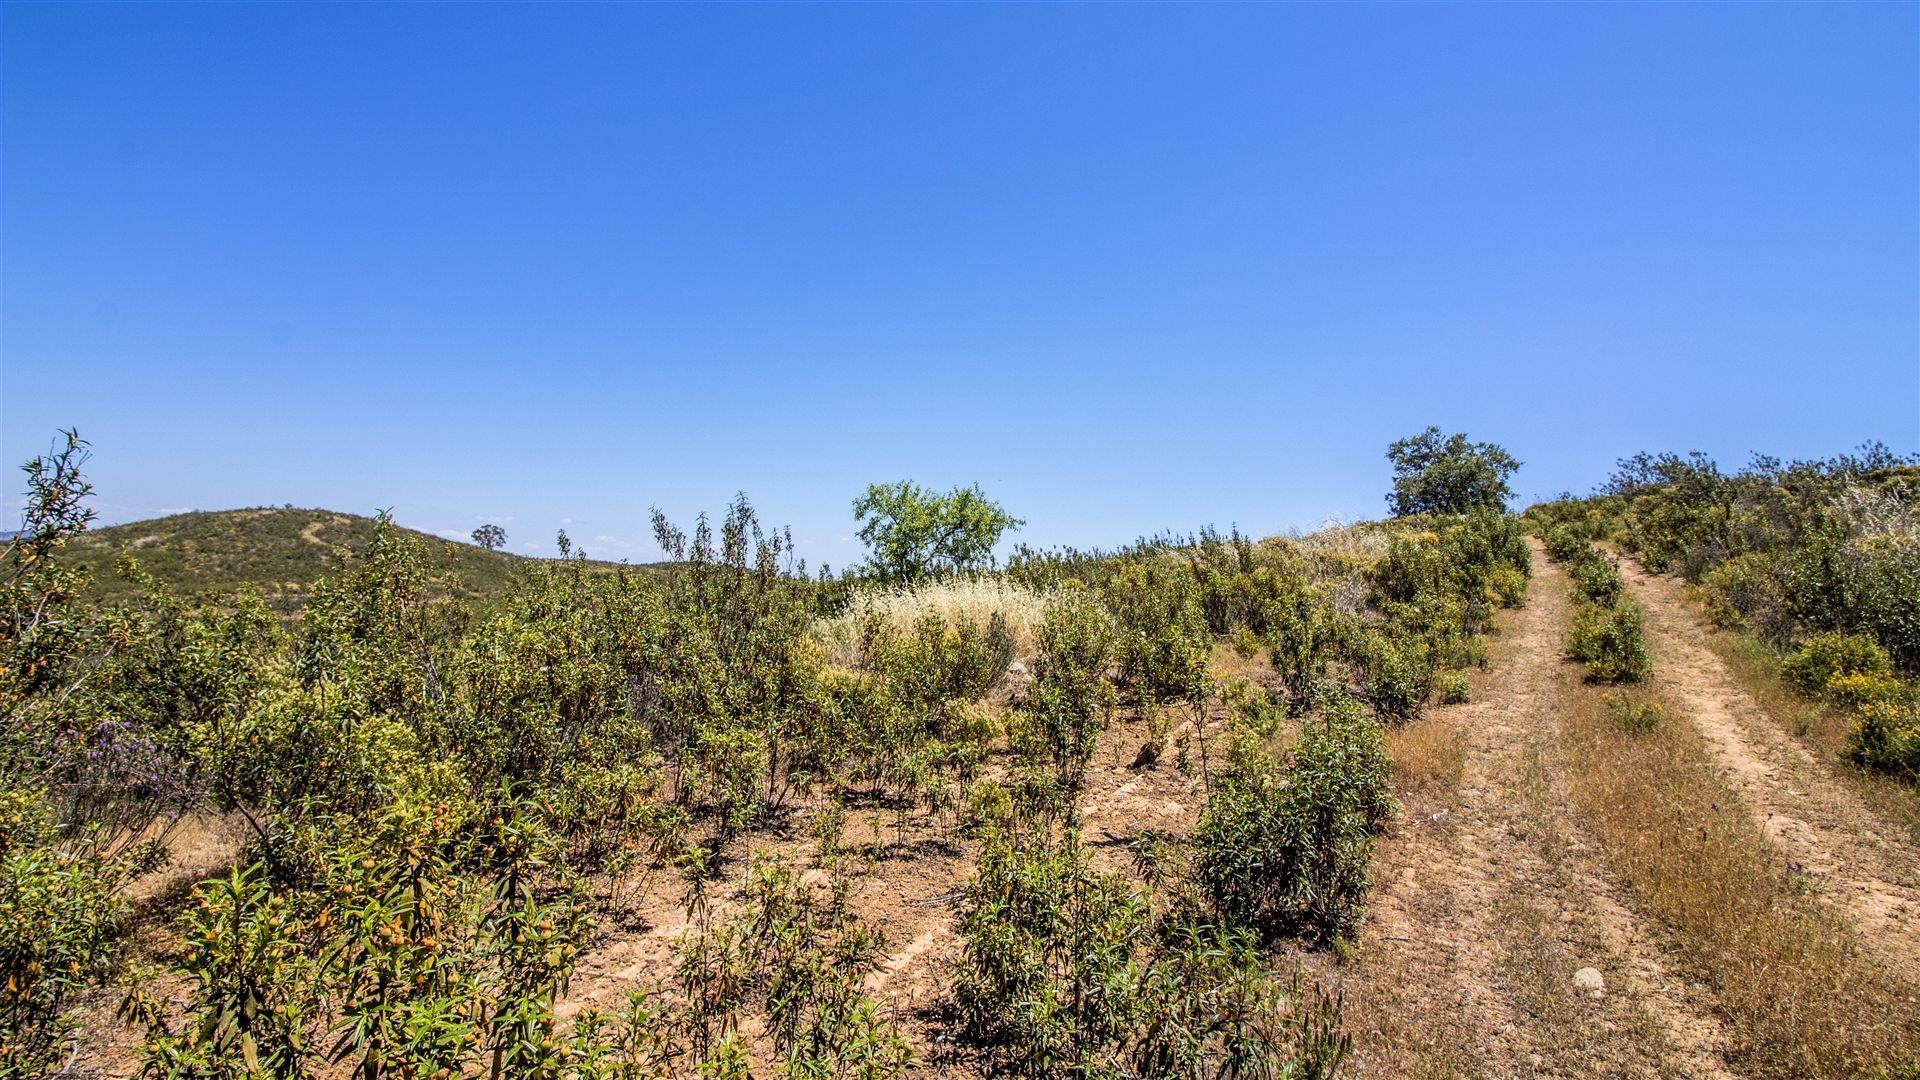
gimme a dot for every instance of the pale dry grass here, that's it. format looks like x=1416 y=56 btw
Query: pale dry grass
x=1429 y=758
x=1798 y=992
x=959 y=601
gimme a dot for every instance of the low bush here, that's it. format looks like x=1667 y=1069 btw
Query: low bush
x=1888 y=737
x=1396 y=674
x=1071 y=699
x=1744 y=591
x=1285 y=850
x=1508 y=586
x=936 y=661
x=1596 y=578
x=1635 y=714
x=1824 y=658
x=1564 y=544
x=1068 y=971
x=1610 y=641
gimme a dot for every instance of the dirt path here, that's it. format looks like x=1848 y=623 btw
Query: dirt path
x=1490 y=899
x=1856 y=860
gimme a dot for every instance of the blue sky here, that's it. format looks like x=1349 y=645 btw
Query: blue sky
x=1131 y=268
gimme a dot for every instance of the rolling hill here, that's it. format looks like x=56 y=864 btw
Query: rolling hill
x=279 y=552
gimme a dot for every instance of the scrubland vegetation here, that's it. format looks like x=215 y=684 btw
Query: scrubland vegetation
x=1818 y=560
x=451 y=799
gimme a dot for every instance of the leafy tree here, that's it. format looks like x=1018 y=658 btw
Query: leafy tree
x=1448 y=475
x=491 y=537
x=914 y=532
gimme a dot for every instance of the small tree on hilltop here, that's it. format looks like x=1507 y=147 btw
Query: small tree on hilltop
x=1448 y=475
x=913 y=532
x=491 y=537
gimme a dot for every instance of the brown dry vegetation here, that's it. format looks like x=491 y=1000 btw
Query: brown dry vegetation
x=1800 y=995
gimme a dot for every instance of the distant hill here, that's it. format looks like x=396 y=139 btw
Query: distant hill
x=279 y=552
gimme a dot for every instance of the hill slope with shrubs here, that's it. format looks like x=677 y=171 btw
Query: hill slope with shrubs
x=278 y=552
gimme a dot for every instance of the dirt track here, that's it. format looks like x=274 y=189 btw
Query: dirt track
x=1862 y=864
x=1490 y=899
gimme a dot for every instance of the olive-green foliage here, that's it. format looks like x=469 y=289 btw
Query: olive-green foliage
x=1564 y=544
x=276 y=552
x=1068 y=971
x=1596 y=578
x=1608 y=632
x=937 y=661
x=1162 y=637
x=1072 y=699
x=798 y=957
x=1830 y=545
x=1433 y=473
x=58 y=924
x=1610 y=641
x=1282 y=848
x=1397 y=673
x=428 y=937
x=1744 y=592
x=1825 y=658
x=1302 y=631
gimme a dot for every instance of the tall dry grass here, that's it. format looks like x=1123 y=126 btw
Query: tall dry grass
x=971 y=601
x=1800 y=995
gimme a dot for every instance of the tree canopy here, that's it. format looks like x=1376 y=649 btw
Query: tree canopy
x=1447 y=474
x=913 y=532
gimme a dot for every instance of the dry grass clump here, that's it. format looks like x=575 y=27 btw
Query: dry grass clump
x=1801 y=996
x=1429 y=758
x=959 y=601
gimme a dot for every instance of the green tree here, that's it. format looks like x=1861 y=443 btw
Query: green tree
x=491 y=537
x=1447 y=474
x=913 y=532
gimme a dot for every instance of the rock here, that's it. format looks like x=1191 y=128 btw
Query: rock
x=1591 y=981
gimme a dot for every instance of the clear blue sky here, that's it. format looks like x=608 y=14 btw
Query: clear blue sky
x=1129 y=267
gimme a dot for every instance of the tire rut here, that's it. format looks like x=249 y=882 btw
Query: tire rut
x=1857 y=861
x=1500 y=898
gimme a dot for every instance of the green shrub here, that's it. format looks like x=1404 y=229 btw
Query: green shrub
x=1508 y=586
x=1564 y=544
x=1815 y=666
x=1596 y=578
x=1396 y=674
x=937 y=661
x=1611 y=642
x=1068 y=971
x=58 y=926
x=1163 y=643
x=1453 y=687
x=1071 y=699
x=1302 y=632
x=1286 y=851
x=1888 y=737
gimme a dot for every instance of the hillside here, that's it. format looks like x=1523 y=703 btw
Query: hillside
x=279 y=552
